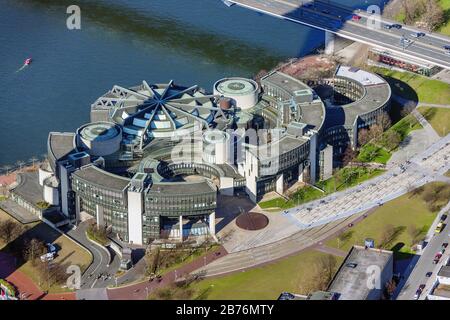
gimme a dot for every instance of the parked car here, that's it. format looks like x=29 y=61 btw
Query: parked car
x=437 y=257
x=428 y=274
x=445 y=245
x=397 y=26
x=47 y=257
x=418 y=293
x=356 y=18
x=439 y=227
x=443 y=217
x=388 y=26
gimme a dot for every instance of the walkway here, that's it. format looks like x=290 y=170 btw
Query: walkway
x=140 y=291
x=425 y=124
x=101 y=263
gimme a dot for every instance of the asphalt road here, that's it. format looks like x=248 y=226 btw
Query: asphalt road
x=329 y=16
x=425 y=262
x=101 y=264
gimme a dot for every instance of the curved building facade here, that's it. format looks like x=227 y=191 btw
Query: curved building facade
x=244 y=93
x=154 y=157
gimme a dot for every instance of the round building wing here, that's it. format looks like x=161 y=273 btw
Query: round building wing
x=216 y=146
x=244 y=93
x=100 y=138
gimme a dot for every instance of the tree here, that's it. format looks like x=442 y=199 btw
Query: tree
x=363 y=137
x=20 y=164
x=408 y=107
x=387 y=236
x=33 y=249
x=33 y=160
x=434 y=15
x=348 y=156
x=324 y=269
x=344 y=237
x=384 y=120
x=7 y=167
x=375 y=132
x=9 y=230
x=391 y=139
x=389 y=289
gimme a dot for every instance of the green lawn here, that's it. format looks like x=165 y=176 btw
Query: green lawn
x=261 y=283
x=401 y=213
x=406 y=125
x=439 y=118
x=373 y=153
x=426 y=90
x=302 y=195
x=343 y=179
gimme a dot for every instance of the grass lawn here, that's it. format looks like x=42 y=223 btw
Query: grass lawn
x=265 y=282
x=183 y=257
x=343 y=179
x=69 y=252
x=302 y=195
x=400 y=213
x=406 y=125
x=373 y=153
x=447 y=174
x=425 y=89
x=439 y=118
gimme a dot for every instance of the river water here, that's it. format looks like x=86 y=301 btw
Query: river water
x=123 y=42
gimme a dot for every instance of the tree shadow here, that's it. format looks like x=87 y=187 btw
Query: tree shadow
x=14 y=251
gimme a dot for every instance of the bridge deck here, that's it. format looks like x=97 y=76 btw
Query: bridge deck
x=330 y=17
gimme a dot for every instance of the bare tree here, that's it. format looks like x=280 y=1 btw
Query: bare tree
x=33 y=249
x=7 y=167
x=9 y=230
x=20 y=164
x=384 y=120
x=324 y=269
x=391 y=139
x=375 y=132
x=363 y=137
x=348 y=156
x=33 y=160
x=434 y=15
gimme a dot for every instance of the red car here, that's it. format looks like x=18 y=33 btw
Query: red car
x=437 y=257
x=355 y=17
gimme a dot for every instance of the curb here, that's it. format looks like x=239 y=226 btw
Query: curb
x=101 y=246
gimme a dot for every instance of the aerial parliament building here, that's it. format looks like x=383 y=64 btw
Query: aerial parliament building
x=153 y=159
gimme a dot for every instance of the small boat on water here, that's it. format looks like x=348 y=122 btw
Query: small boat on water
x=28 y=61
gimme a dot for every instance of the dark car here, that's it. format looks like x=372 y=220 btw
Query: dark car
x=397 y=26
x=428 y=274
x=443 y=217
x=447 y=47
x=388 y=26
x=445 y=245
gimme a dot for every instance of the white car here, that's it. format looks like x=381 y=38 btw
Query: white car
x=47 y=257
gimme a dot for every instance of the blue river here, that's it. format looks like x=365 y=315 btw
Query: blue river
x=123 y=42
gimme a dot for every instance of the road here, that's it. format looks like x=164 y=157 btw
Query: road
x=101 y=264
x=425 y=262
x=328 y=16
